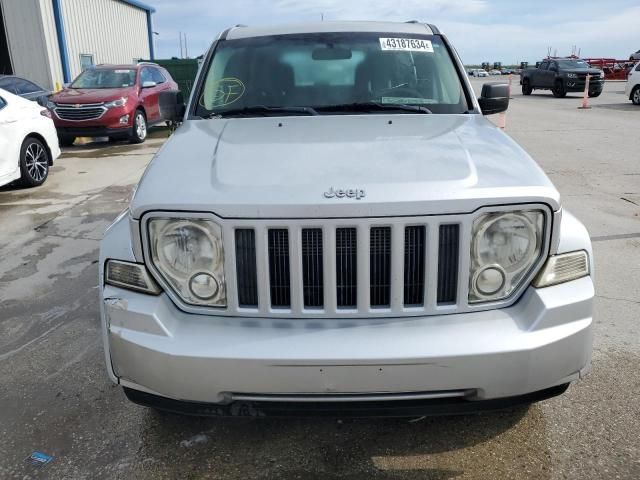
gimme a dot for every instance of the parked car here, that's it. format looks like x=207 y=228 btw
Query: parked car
x=495 y=72
x=632 y=89
x=479 y=72
x=635 y=56
x=562 y=76
x=115 y=101
x=28 y=141
x=343 y=236
x=24 y=88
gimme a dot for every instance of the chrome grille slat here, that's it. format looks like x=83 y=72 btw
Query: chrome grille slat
x=448 y=252
x=380 y=266
x=312 y=267
x=346 y=268
x=414 y=265
x=247 y=275
x=279 y=271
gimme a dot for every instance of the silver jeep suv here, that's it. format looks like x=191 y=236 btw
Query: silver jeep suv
x=335 y=228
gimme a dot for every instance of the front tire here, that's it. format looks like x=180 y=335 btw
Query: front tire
x=526 y=87
x=139 y=129
x=558 y=90
x=635 y=95
x=594 y=94
x=34 y=162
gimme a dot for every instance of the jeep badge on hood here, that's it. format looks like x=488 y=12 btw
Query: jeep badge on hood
x=356 y=193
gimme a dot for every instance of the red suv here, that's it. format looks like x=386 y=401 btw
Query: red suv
x=115 y=101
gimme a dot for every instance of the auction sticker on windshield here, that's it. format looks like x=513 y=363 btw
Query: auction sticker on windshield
x=406 y=44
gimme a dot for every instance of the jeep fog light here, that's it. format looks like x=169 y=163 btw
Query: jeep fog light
x=563 y=268
x=490 y=280
x=124 y=120
x=204 y=286
x=188 y=254
x=506 y=245
x=132 y=276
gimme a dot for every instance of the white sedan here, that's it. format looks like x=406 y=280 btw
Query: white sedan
x=479 y=72
x=632 y=91
x=28 y=141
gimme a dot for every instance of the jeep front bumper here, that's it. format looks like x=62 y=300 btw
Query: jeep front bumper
x=542 y=341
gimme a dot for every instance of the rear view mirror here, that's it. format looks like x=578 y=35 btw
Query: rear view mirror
x=494 y=98
x=331 y=53
x=172 y=106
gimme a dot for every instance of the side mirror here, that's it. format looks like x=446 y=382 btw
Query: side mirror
x=172 y=106
x=494 y=98
x=149 y=84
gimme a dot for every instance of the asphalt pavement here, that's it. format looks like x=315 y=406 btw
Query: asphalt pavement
x=55 y=397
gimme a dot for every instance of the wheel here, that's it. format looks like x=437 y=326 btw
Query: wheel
x=526 y=87
x=139 y=129
x=559 y=90
x=34 y=162
x=635 y=95
x=65 y=140
x=594 y=94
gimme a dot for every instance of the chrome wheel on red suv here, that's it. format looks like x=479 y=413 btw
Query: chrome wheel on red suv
x=139 y=132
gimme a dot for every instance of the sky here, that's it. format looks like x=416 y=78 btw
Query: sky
x=508 y=31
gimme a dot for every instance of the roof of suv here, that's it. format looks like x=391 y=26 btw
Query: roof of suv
x=124 y=66
x=322 y=27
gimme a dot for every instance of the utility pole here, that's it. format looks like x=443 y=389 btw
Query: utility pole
x=186 y=49
x=180 y=36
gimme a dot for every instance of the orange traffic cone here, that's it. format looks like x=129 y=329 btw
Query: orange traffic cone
x=585 y=95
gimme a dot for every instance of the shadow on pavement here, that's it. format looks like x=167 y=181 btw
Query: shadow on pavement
x=323 y=448
x=623 y=107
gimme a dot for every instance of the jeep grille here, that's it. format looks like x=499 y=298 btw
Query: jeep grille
x=311 y=251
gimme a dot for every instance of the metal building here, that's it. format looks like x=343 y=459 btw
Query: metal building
x=52 y=41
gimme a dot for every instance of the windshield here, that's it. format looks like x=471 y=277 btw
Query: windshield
x=573 y=64
x=327 y=70
x=105 y=78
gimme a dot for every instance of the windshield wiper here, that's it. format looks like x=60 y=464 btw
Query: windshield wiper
x=373 y=106
x=261 y=109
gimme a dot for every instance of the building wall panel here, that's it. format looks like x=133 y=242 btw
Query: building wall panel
x=27 y=40
x=110 y=30
x=51 y=44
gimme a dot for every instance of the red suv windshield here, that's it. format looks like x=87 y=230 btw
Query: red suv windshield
x=105 y=78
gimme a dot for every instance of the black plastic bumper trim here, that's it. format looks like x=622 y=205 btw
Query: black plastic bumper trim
x=396 y=408
x=93 y=131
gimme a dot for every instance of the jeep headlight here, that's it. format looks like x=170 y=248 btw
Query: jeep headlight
x=189 y=256
x=505 y=246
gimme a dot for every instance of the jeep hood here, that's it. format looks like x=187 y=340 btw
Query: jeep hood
x=280 y=167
